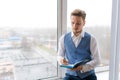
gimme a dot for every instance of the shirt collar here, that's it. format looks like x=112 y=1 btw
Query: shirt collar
x=80 y=35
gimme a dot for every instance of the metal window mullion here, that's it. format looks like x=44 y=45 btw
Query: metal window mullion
x=118 y=45
x=61 y=24
x=115 y=44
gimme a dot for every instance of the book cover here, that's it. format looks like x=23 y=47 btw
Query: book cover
x=82 y=62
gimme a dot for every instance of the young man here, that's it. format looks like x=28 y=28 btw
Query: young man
x=76 y=46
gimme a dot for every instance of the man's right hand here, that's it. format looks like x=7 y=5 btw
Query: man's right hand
x=64 y=61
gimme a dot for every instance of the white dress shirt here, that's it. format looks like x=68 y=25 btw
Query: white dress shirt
x=95 y=54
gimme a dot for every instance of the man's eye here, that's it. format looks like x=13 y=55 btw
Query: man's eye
x=72 y=22
x=78 y=23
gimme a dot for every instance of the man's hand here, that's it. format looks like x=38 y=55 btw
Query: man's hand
x=64 y=61
x=78 y=68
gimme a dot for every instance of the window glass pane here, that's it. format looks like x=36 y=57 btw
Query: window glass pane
x=28 y=39
x=98 y=23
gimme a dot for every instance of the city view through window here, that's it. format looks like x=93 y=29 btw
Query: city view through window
x=27 y=52
x=28 y=39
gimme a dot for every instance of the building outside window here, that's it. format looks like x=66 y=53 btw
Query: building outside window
x=28 y=39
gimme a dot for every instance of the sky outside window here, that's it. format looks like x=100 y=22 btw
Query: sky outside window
x=28 y=13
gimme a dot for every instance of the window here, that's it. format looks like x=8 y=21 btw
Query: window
x=28 y=39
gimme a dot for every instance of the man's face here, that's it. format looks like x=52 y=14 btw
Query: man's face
x=77 y=24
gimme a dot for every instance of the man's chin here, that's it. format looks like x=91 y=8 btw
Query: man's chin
x=77 y=32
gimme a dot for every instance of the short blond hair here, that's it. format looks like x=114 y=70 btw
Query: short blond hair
x=78 y=12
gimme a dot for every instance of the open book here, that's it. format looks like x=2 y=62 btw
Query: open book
x=82 y=62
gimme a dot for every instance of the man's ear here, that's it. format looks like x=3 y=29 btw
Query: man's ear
x=84 y=22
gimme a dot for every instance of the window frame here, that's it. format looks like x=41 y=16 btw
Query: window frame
x=115 y=41
x=61 y=27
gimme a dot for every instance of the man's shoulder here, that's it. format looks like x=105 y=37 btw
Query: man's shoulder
x=68 y=34
x=92 y=36
x=63 y=36
x=86 y=34
x=89 y=34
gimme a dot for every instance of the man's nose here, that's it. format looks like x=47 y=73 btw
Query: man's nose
x=75 y=25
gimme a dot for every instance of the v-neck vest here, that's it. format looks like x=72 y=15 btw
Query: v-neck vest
x=75 y=54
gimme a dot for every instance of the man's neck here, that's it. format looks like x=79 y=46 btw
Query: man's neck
x=77 y=33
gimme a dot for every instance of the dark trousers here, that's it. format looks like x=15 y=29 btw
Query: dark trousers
x=70 y=77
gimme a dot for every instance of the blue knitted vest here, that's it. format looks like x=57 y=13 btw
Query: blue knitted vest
x=75 y=54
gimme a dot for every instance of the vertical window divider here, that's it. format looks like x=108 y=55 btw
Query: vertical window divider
x=61 y=25
x=115 y=44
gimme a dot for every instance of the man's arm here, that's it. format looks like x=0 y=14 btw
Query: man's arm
x=61 y=52
x=95 y=54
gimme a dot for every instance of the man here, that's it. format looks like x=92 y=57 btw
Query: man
x=78 y=45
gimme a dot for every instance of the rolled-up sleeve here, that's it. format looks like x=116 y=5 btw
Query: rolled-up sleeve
x=95 y=54
x=61 y=50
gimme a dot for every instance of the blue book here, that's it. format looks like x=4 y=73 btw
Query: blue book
x=82 y=62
